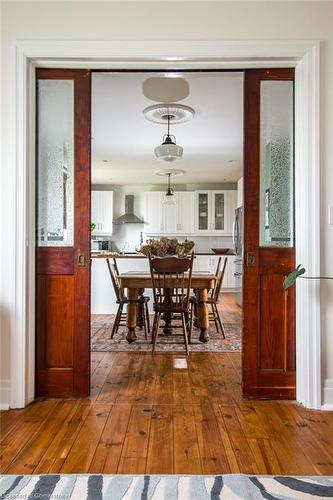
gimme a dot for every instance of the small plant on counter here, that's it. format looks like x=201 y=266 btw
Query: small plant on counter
x=166 y=246
x=92 y=226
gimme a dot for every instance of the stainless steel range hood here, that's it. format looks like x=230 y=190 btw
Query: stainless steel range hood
x=129 y=217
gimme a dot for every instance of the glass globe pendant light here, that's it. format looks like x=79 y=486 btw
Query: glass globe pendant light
x=168 y=150
x=169 y=197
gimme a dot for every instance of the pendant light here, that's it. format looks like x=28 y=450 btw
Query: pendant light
x=169 y=196
x=168 y=150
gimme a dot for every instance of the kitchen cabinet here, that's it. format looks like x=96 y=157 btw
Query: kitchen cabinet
x=102 y=212
x=215 y=211
x=185 y=219
x=208 y=263
x=103 y=299
x=169 y=219
x=153 y=216
x=200 y=212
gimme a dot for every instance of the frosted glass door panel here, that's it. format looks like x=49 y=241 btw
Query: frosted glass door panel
x=203 y=211
x=276 y=164
x=219 y=211
x=55 y=167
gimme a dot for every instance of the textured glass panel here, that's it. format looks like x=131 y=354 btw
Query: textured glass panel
x=276 y=164
x=203 y=211
x=219 y=211
x=55 y=170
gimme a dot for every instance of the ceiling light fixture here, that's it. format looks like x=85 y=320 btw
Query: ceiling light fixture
x=169 y=196
x=178 y=113
x=168 y=150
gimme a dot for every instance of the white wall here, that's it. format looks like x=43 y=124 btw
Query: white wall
x=190 y=21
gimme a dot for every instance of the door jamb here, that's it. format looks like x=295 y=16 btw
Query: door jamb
x=20 y=156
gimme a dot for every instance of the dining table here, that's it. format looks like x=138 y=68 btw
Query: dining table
x=137 y=282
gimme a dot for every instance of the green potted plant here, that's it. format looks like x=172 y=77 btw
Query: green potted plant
x=298 y=273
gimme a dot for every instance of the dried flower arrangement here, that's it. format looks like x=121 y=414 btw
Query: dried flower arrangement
x=166 y=246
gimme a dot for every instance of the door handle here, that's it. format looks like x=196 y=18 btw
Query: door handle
x=250 y=259
x=81 y=260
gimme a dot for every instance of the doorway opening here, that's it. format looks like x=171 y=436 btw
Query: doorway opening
x=129 y=207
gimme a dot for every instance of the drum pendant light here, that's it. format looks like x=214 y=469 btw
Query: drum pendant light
x=168 y=150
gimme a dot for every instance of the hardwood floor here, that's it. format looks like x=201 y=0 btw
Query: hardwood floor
x=147 y=416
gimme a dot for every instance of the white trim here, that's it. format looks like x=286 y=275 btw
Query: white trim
x=304 y=55
x=307 y=209
x=4 y=394
x=327 y=394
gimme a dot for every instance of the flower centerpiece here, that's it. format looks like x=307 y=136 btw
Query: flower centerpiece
x=167 y=246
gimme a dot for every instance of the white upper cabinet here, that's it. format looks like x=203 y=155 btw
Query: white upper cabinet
x=185 y=211
x=215 y=211
x=169 y=219
x=102 y=212
x=208 y=212
x=153 y=217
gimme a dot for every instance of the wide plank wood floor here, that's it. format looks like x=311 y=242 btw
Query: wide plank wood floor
x=145 y=415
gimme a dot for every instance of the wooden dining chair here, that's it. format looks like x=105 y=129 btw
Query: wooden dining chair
x=121 y=300
x=171 y=282
x=213 y=299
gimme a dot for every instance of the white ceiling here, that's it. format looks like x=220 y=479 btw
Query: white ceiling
x=212 y=141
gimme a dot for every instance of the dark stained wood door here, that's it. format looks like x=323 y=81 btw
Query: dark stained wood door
x=268 y=311
x=63 y=233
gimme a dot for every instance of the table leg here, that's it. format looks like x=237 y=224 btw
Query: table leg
x=139 y=309
x=202 y=315
x=132 y=295
x=167 y=317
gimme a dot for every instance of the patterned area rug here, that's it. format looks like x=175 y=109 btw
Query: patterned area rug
x=101 y=326
x=121 y=487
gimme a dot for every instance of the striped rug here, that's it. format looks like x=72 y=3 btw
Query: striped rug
x=173 y=487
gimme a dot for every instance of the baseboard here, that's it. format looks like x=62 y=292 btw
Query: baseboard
x=327 y=395
x=4 y=394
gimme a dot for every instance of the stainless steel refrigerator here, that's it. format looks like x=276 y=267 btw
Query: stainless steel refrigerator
x=238 y=247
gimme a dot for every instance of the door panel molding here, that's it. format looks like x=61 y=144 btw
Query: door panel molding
x=20 y=164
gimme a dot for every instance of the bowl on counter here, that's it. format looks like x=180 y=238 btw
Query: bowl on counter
x=220 y=250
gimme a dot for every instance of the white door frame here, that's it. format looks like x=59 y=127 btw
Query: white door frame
x=303 y=55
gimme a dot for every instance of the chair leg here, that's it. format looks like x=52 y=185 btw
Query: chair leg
x=185 y=333
x=147 y=316
x=145 y=322
x=155 y=335
x=190 y=324
x=153 y=329
x=219 y=320
x=117 y=321
x=215 y=318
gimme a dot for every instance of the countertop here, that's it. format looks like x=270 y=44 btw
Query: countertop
x=104 y=254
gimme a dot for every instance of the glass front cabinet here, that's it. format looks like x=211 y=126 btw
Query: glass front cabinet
x=215 y=211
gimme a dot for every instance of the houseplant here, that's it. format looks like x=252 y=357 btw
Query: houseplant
x=297 y=273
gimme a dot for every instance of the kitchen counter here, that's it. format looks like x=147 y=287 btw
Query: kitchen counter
x=103 y=254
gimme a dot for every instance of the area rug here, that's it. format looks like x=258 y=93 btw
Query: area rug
x=101 y=327
x=173 y=487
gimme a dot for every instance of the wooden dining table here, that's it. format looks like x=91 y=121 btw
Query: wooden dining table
x=137 y=282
